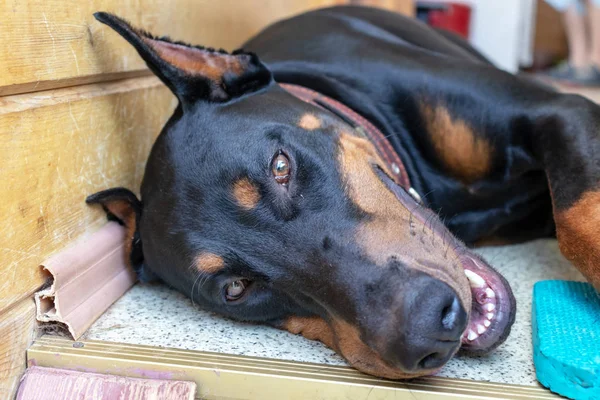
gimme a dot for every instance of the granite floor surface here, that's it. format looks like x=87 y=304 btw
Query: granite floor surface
x=159 y=316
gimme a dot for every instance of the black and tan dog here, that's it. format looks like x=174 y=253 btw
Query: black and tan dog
x=285 y=204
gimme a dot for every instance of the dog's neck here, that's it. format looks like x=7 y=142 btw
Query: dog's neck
x=363 y=128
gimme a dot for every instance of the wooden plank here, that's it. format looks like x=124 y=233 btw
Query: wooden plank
x=52 y=43
x=406 y=7
x=56 y=148
x=17 y=333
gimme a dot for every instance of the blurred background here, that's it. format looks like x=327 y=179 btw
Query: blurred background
x=515 y=34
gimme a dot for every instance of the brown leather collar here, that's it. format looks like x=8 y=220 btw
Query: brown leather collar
x=363 y=128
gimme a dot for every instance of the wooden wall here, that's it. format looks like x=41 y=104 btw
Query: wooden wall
x=406 y=7
x=78 y=113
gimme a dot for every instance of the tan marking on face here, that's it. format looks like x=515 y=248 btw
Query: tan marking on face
x=212 y=65
x=310 y=122
x=369 y=193
x=246 y=194
x=313 y=328
x=345 y=339
x=578 y=233
x=209 y=262
x=357 y=158
x=466 y=156
x=391 y=230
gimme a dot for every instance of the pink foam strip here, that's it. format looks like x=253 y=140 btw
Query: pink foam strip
x=87 y=278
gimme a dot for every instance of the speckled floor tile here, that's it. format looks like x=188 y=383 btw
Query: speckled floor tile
x=156 y=315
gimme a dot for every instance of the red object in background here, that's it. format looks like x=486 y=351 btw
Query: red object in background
x=453 y=17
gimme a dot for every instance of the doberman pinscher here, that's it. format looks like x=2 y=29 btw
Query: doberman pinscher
x=333 y=186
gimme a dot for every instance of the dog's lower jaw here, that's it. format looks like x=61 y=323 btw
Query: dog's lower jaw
x=493 y=306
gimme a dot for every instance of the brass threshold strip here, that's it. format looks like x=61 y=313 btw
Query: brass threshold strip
x=223 y=376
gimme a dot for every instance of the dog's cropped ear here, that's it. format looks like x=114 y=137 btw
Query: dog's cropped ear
x=123 y=206
x=192 y=72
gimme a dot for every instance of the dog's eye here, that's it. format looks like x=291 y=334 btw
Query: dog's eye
x=280 y=167
x=235 y=289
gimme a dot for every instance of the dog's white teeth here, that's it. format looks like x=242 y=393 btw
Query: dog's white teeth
x=474 y=280
x=489 y=316
x=480 y=329
x=487 y=323
x=490 y=307
x=472 y=335
x=490 y=293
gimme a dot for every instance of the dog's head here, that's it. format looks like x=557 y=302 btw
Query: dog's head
x=264 y=208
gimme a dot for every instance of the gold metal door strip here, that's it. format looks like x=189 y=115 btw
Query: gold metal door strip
x=224 y=376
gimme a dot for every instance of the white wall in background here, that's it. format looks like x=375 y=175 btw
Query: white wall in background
x=502 y=30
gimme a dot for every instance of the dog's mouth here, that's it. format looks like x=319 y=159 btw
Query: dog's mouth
x=493 y=305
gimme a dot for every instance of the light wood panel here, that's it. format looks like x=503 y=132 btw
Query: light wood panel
x=56 y=148
x=51 y=43
x=16 y=331
x=406 y=7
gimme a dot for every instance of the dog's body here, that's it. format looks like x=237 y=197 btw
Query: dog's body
x=419 y=86
x=264 y=208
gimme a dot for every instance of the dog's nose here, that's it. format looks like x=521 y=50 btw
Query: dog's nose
x=435 y=320
x=453 y=315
